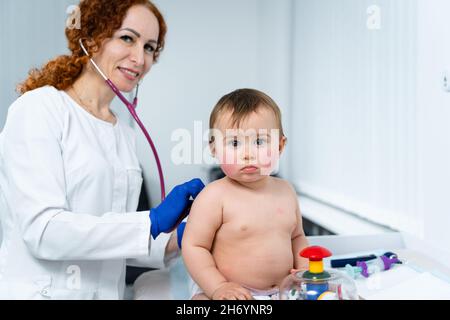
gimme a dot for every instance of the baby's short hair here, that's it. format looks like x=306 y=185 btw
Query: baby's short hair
x=242 y=103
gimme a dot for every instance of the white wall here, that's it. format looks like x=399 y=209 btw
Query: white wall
x=355 y=108
x=31 y=33
x=347 y=82
x=434 y=119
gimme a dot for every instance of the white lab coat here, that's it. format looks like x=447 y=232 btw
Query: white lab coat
x=70 y=185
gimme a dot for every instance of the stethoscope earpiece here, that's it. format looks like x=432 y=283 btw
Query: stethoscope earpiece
x=92 y=61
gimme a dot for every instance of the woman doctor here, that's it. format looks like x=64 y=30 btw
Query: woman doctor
x=70 y=175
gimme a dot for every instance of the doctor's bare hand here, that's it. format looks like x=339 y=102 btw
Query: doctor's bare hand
x=231 y=291
x=175 y=207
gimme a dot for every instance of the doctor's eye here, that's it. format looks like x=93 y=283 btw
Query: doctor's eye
x=149 y=48
x=127 y=39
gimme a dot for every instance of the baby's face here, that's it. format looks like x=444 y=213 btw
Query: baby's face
x=251 y=152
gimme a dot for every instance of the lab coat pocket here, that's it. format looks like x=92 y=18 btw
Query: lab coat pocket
x=40 y=288
x=69 y=294
x=37 y=288
x=135 y=179
x=47 y=290
x=18 y=289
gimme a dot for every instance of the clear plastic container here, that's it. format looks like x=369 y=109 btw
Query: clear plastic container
x=330 y=285
x=317 y=283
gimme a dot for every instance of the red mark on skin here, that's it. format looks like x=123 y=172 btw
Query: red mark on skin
x=230 y=169
x=280 y=211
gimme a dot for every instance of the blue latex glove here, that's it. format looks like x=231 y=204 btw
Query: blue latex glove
x=174 y=208
x=180 y=232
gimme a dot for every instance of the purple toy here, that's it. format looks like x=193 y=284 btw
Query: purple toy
x=379 y=264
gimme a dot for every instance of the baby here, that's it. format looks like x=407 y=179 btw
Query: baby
x=244 y=232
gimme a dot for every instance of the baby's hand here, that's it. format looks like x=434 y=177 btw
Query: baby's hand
x=294 y=271
x=231 y=291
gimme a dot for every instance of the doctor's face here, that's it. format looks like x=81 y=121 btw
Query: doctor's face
x=128 y=55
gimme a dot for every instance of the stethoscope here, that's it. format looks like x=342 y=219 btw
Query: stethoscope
x=131 y=107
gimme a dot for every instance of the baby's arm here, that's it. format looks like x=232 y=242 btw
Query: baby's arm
x=299 y=241
x=204 y=220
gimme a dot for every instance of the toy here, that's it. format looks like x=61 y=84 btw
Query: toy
x=317 y=283
x=341 y=263
x=367 y=268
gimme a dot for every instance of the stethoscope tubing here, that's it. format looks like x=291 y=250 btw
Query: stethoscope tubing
x=132 y=109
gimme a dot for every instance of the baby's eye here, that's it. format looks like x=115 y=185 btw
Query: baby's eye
x=260 y=141
x=234 y=143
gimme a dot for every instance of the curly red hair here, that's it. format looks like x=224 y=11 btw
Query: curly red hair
x=99 y=20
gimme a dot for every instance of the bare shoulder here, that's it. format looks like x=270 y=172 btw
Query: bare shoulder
x=288 y=192
x=214 y=189
x=284 y=186
x=211 y=195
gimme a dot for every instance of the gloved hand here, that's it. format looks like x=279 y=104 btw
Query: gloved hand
x=180 y=232
x=173 y=209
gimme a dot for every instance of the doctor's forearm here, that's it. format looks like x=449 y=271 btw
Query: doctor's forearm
x=171 y=250
x=74 y=236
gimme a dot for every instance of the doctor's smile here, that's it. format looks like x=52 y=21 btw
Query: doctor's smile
x=131 y=75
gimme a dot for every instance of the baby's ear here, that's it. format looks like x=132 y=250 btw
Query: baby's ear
x=212 y=146
x=283 y=142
